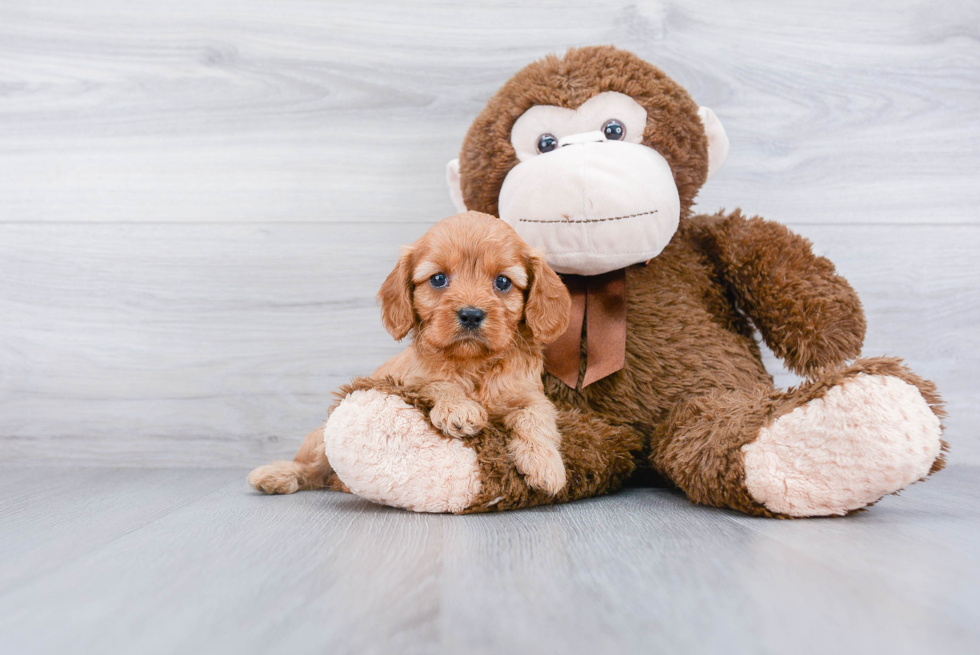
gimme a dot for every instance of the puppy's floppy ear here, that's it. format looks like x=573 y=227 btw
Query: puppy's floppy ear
x=395 y=297
x=548 y=302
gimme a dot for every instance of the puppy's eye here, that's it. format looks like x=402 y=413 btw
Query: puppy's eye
x=439 y=281
x=547 y=143
x=614 y=130
x=502 y=283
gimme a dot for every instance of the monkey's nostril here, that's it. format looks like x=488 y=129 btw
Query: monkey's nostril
x=470 y=317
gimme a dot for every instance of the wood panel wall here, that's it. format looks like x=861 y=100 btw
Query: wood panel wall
x=198 y=200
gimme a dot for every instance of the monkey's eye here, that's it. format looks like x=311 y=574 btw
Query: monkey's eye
x=547 y=143
x=614 y=130
x=439 y=281
x=502 y=283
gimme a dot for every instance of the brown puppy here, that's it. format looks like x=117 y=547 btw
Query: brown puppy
x=479 y=304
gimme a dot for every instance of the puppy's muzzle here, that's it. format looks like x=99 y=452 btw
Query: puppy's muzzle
x=470 y=318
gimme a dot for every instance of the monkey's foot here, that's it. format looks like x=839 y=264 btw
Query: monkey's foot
x=385 y=450
x=866 y=437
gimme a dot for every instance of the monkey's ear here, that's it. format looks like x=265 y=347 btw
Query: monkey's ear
x=717 y=139
x=455 y=190
x=548 y=303
x=395 y=297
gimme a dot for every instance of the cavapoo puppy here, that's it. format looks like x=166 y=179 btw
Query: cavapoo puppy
x=479 y=304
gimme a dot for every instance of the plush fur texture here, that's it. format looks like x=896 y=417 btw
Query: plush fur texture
x=704 y=441
x=845 y=450
x=388 y=453
x=397 y=458
x=694 y=401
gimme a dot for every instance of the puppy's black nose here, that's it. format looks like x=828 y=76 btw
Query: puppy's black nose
x=470 y=317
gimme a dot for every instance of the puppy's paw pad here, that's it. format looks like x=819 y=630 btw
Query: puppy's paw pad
x=543 y=469
x=463 y=419
x=274 y=479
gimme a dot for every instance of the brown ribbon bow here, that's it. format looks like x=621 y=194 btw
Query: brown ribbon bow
x=598 y=302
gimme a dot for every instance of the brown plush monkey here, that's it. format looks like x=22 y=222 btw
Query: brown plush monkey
x=596 y=158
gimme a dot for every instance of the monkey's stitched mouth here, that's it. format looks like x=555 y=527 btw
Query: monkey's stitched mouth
x=588 y=220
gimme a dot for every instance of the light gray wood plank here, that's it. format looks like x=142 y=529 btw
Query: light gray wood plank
x=240 y=572
x=642 y=570
x=252 y=111
x=651 y=570
x=50 y=517
x=904 y=533
x=170 y=339
x=219 y=345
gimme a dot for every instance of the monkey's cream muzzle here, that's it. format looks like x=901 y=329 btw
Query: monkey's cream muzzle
x=593 y=205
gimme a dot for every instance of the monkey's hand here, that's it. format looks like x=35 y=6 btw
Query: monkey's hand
x=807 y=314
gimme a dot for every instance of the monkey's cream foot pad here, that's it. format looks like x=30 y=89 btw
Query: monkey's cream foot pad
x=387 y=451
x=867 y=437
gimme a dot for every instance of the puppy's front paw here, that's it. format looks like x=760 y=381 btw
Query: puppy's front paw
x=542 y=466
x=459 y=418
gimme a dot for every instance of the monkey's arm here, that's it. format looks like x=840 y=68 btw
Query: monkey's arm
x=807 y=314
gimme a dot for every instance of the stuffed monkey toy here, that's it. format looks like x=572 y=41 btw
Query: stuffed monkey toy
x=595 y=158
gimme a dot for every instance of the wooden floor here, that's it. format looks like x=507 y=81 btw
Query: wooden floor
x=106 y=560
